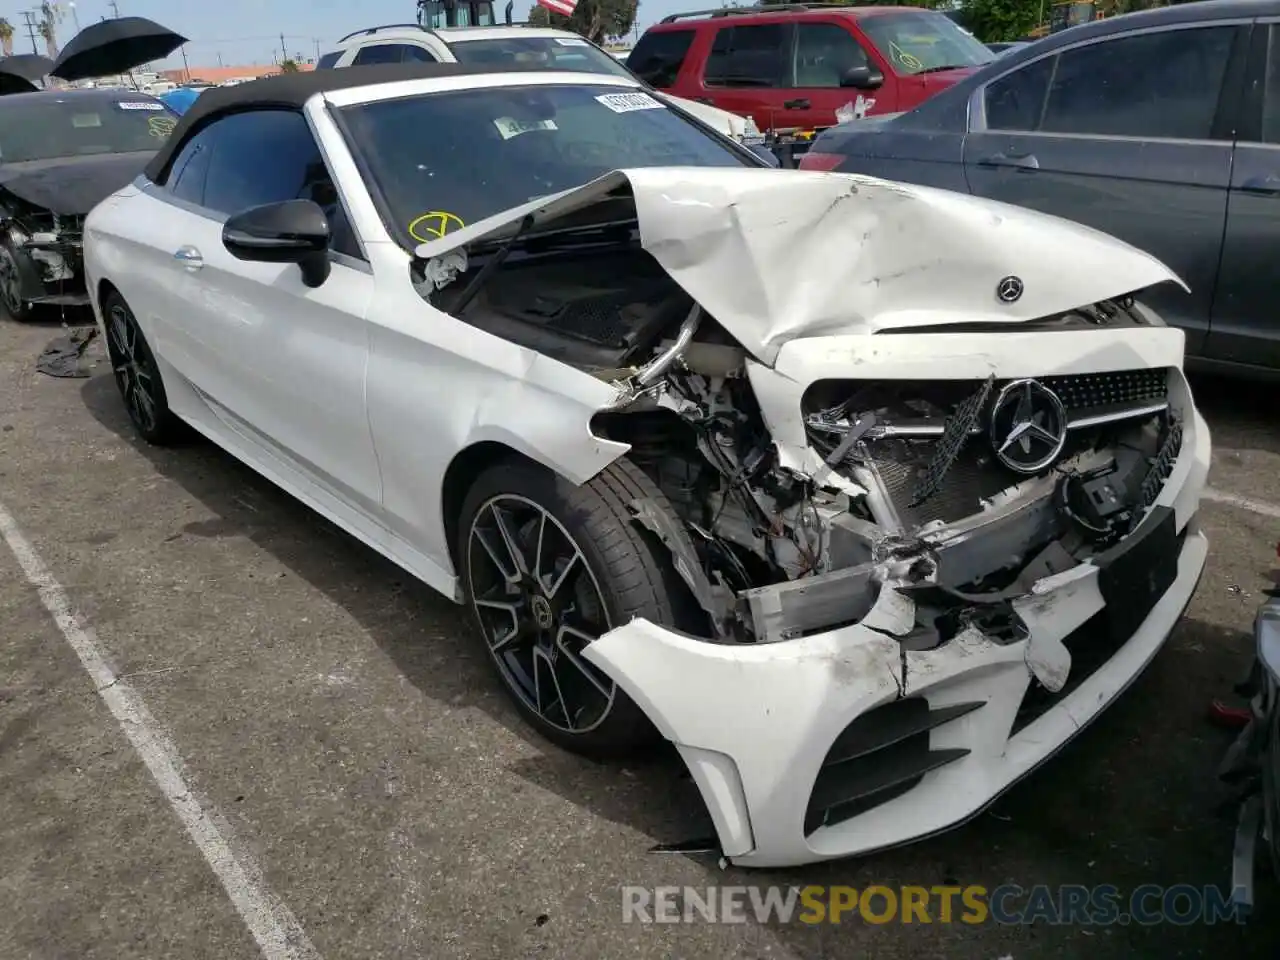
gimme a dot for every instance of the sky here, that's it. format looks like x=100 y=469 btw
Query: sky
x=246 y=32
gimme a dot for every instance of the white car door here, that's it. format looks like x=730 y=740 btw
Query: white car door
x=279 y=364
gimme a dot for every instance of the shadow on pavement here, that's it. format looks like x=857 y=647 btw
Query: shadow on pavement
x=1248 y=408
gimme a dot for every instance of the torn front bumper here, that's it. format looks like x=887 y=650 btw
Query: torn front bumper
x=844 y=742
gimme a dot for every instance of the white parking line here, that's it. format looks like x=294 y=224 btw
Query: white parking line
x=1244 y=503
x=273 y=926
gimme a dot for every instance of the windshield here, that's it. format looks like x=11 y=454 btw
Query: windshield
x=553 y=53
x=45 y=128
x=445 y=160
x=921 y=42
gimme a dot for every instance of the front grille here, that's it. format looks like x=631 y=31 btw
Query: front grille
x=1086 y=396
x=1090 y=395
x=912 y=417
x=879 y=757
x=973 y=477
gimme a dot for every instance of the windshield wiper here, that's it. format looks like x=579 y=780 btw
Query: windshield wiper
x=494 y=262
x=945 y=66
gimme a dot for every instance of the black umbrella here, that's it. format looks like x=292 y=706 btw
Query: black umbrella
x=26 y=66
x=114 y=46
x=11 y=84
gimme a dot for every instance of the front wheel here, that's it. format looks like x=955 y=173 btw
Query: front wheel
x=548 y=568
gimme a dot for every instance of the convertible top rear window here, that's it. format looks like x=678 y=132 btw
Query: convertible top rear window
x=445 y=160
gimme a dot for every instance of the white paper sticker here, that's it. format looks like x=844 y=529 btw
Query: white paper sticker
x=509 y=127
x=626 y=102
x=83 y=120
x=571 y=42
x=138 y=105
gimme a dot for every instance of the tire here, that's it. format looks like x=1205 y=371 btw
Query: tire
x=11 y=286
x=137 y=374
x=629 y=572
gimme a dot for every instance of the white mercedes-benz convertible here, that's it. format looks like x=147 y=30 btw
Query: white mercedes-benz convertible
x=868 y=497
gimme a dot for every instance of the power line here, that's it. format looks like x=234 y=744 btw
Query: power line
x=31 y=29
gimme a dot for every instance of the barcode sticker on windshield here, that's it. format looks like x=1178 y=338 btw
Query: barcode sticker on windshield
x=138 y=105
x=626 y=102
x=571 y=42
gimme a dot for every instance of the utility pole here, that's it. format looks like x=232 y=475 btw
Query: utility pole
x=30 y=16
x=316 y=41
x=186 y=70
x=284 y=54
x=115 y=9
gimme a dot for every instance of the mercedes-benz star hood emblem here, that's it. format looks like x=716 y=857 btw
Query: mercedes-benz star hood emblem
x=1028 y=426
x=1009 y=289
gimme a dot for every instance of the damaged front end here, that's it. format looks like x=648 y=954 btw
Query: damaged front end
x=931 y=540
x=41 y=259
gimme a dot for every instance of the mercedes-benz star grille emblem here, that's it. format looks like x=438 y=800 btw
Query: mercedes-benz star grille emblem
x=1009 y=289
x=1028 y=426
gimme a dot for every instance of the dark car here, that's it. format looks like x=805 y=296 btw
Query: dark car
x=61 y=153
x=1007 y=47
x=1161 y=128
x=794 y=67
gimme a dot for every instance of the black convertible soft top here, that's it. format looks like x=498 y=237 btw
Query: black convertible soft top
x=292 y=90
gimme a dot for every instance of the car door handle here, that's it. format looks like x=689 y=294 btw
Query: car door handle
x=801 y=104
x=1268 y=186
x=189 y=257
x=1023 y=161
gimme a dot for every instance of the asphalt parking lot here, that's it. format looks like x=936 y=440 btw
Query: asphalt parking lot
x=362 y=789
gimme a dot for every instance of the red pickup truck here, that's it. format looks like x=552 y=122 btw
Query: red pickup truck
x=796 y=66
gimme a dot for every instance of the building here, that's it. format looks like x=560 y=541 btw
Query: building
x=221 y=74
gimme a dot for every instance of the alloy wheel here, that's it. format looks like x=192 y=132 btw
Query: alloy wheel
x=135 y=373
x=539 y=605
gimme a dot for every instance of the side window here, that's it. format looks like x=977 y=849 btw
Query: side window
x=1271 y=89
x=657 y=57
x=1016 y=101
x=266 y=156
x=752 y=56
x=825 y=52
x=1158 y=85
x=392 y=53
x=327 y=61
x=416 y=54
x=189 y=168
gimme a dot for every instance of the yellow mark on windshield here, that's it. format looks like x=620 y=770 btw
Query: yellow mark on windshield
x=160 y=127
x=907 y=60
x=435 y=225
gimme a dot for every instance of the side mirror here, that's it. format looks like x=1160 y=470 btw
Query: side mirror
x=862 y=78
x=292 y=231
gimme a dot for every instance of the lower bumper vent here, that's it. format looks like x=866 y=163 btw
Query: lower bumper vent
x=879 y=757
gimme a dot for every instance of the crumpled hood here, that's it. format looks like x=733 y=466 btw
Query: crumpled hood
x=72 y=185
x=775 y=255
